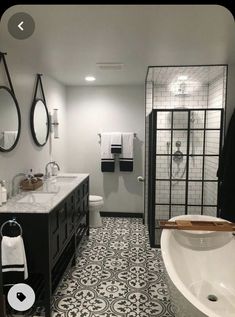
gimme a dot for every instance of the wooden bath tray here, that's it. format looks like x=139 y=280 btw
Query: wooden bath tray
x=198 y=225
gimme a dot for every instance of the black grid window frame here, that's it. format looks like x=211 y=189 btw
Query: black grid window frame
x=154 y=220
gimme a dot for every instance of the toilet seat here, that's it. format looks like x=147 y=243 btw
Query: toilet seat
x=94 y=198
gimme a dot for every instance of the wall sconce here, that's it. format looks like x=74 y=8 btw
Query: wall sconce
x=54 y=123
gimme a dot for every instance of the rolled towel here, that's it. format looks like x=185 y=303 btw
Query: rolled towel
x=116 y=142
x=13 y=260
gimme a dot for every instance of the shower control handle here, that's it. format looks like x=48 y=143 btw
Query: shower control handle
x=140 y=179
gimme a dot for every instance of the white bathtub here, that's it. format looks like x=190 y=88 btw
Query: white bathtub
x=199 y=264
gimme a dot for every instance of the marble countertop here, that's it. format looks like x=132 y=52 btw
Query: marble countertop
x=58 y=190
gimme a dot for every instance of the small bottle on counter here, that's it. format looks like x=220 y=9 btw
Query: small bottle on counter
x=4 y=192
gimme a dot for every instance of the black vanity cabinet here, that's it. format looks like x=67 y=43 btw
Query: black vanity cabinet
x=51 y=240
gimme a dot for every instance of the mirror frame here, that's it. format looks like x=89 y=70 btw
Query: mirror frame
x=32 y=121
x=19 y=120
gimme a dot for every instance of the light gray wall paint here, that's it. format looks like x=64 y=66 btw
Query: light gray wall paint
x=26 y=154
x=95 y=109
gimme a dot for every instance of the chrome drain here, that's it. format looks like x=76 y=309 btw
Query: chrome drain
x=212 y=298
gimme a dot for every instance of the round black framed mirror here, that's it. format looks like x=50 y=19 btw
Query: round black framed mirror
x=10 y=120
x=39 y=122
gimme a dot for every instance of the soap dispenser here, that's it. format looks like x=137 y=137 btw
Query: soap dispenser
x=4 y=192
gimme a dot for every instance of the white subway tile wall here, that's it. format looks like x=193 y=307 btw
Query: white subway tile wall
x=165 y=98
x=148 y=97
x=195 y=168
x=162 y=211
x=162 y=167
x=178 y=193
x=177 y=210
x=210 y=193
x=211 y=166
x=216 y=99
x=216 y=92
x=194 y=193
x=192 y=210
x=161 y=142
x=162 y=192
x=205 y=88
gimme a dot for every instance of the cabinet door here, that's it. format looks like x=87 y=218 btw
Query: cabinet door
x=78 y=195
x=71 y=209
x=54 y=234
x=63 y=223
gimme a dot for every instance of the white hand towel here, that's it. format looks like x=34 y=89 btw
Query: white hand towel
x=107 y=158
x=13 y=255
x=116 y=142
x=126 y=159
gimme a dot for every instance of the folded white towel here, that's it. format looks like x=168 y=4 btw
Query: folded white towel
x=107 y=158
x=116 y=142
x=126 y=158
x=13 y=255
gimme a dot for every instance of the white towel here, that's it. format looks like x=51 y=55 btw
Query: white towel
x=9 y=138
x=107 y=158
x=126 y=159
x=116 y=142
x=13 y=255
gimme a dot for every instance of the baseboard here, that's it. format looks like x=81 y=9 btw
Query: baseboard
x=121 y=214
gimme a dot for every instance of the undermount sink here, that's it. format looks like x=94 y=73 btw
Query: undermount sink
x=65 y=179
x=36 y=198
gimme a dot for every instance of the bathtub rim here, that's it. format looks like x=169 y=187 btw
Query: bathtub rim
x=166 y=234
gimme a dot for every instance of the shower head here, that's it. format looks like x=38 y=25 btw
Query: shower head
x=181 y=90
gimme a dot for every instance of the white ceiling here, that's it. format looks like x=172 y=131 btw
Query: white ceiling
x=70 y=39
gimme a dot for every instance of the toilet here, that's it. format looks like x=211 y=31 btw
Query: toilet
x=95 y=204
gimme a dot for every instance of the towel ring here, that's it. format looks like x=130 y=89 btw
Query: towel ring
x=11 y=222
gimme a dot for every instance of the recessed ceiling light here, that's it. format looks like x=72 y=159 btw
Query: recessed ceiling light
x=183 y=77
x=90 y=78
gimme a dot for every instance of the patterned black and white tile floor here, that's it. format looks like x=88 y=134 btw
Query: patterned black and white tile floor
x=117 y=274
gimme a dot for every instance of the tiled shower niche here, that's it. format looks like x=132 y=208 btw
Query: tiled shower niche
x=184 y=133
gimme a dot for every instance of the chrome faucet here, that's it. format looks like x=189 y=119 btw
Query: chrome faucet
x=47 y=173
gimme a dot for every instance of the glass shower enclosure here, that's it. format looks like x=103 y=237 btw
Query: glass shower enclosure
x=184 y=134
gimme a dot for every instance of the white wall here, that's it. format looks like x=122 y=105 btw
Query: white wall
x=112 y=108
x=26 y=154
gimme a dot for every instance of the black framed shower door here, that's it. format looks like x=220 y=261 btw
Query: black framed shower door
x=184 y=146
